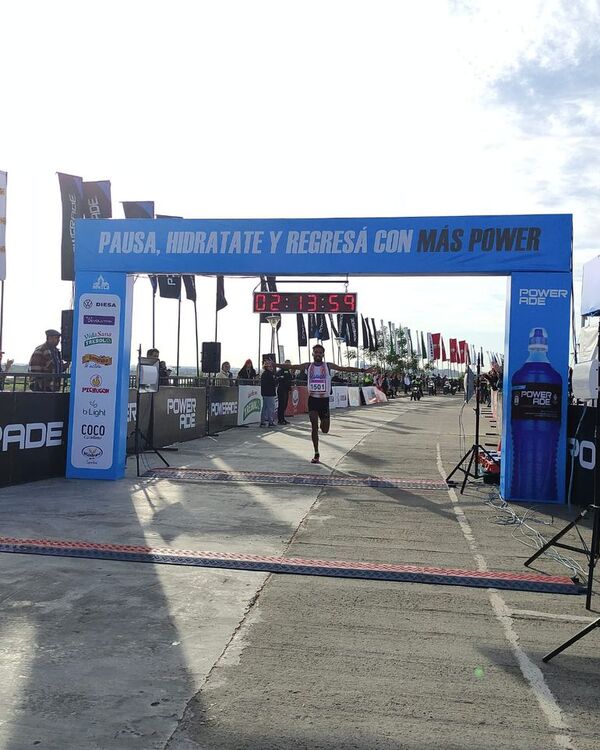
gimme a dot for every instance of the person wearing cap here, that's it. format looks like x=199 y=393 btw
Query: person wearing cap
x=45 y=361
x=4 y=370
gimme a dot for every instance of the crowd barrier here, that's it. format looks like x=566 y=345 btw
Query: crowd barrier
x=33 y=426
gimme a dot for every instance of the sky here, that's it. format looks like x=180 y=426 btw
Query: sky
x=297 y=109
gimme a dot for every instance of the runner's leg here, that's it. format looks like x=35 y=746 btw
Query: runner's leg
x=314 y=423
x=325 y=421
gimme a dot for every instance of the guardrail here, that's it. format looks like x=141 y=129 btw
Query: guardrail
x=19 y=382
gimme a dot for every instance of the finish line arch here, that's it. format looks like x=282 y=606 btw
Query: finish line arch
x=533 y=251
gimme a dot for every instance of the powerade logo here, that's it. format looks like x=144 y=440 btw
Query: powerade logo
x=538 y=297
x=99 y=320
x=32 y=435
x=253 y=406
x=223 y=408
x=186 y=409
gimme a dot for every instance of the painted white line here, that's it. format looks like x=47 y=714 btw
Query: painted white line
x=550 y=616
x=530 y=671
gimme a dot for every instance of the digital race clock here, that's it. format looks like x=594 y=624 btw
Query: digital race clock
x=304 y=302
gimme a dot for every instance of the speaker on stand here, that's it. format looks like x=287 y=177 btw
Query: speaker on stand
x=211 y=364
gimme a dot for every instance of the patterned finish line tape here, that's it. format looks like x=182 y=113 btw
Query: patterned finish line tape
x=275 y=477
x=294 y=565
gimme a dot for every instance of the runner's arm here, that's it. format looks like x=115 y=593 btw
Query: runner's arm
x=303 y=366
x=343 y=368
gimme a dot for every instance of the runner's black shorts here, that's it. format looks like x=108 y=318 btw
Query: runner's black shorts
x=320 y=405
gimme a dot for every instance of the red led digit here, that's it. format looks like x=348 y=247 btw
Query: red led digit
x=260 y=302
x=312 y=303
x=274 y=303
x=334 y=305
x=300 y=301
x=350 y=301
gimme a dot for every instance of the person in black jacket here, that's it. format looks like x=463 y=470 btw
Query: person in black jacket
x=247 y=372
x=268 y=390
x=284 y=386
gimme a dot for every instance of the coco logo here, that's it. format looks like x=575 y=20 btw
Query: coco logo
x=93 y=431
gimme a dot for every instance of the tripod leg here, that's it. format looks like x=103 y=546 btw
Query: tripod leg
x=594 y=551
x=458 y=465
x=556 y=537
x=468 y=471
x=574 y=639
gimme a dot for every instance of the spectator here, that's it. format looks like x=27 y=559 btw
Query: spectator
x=247 y=372
x=225 y=373
x=284 y=386
x=4 y=370
x=406 y=383
x=163 y=371
x=268 y=390
x=46 y=361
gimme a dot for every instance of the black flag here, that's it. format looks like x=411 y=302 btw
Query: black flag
x=169 y=286
x=372 y=347
x=302 y=340
x=313 y=328
x=138 y=209
x=221 y=301
x=365 y=334
x=323 y=332
x=349 y=328
x=97 y=204
x=190 y=287
x=269 y=284
x=154 y=283
x=334 y=330
x=375 y=340
x=73 y=207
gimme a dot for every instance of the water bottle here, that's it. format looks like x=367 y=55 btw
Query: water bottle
x=536 y=400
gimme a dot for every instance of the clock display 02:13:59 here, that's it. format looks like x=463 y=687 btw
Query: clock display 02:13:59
x=299 y=302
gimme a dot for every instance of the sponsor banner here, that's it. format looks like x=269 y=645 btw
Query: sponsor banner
x=249 y=404
x=73 y=208
x=581 y=453
x=97 y=203
x=426 y=245
x=33 y=436
x=222 y=408
x=298 y=401
x=340 y=393
x=353 y=396
x=535 y=388
x=380 y=396
x=368 y=394
x=178 y=414
x=332 y=401
x=3 y=179
x=95 y=384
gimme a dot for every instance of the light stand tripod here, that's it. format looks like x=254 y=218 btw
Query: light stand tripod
x=473 y=453
x=147 y=380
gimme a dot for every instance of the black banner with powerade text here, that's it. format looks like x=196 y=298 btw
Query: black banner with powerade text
x=222 y=408
x=33 y=436
x=581 y=454
x=73 y=207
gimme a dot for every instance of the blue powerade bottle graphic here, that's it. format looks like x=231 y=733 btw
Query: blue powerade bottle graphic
x=536 y=398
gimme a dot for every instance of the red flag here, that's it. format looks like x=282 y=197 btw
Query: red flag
x=435 y=337
x=454 y=355
x=463 y=349
x=444 y=356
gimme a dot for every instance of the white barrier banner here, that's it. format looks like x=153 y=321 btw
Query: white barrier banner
x=353 y=396
x=369 y=394
x=2 y=225
x=249 y=404
x=340 y=393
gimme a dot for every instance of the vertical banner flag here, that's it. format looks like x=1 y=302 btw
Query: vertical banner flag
x=351 y=336
x=334 y=330
x=409 y=344
x=97 y=203
x=3 y=181
x=313 y=328
x=190 y=287
x=419 y=350
x=444 y=355
x=302 y=340
x=435 y=339
x=71 y=194
x=430 y=348
x=323 y=330
x=221 y=301
x=461 y=352
x=375 y=339
x=169 y=286
x=423 y=347
x=269 y=284
x=372 y=347
x=365 y=333
x=392 y=338
x=138 y=209
x=454 y=359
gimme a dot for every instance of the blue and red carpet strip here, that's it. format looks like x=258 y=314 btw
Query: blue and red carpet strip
x=309 y=479
x=294 y=565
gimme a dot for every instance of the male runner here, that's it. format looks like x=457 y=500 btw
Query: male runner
x=319 y=388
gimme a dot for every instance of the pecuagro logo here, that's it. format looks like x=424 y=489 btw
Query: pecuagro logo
x=95 y=386
x=92 y=453
x=538 y=297
x=186 y=409
x=253 y=406
x=96 y=360
x=32 y=435
x=223 y=408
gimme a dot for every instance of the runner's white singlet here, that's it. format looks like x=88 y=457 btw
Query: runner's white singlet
x=319 y=380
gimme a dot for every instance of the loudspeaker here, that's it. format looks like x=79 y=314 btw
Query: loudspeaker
x=66 y=334
x=211 y=356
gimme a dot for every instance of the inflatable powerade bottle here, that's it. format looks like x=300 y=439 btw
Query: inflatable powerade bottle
x=536 y=398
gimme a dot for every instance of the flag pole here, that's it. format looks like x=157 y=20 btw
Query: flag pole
x=178 y=332
x=1 y=311
x=258 y=364
x=153 y=317
x=197 y=348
